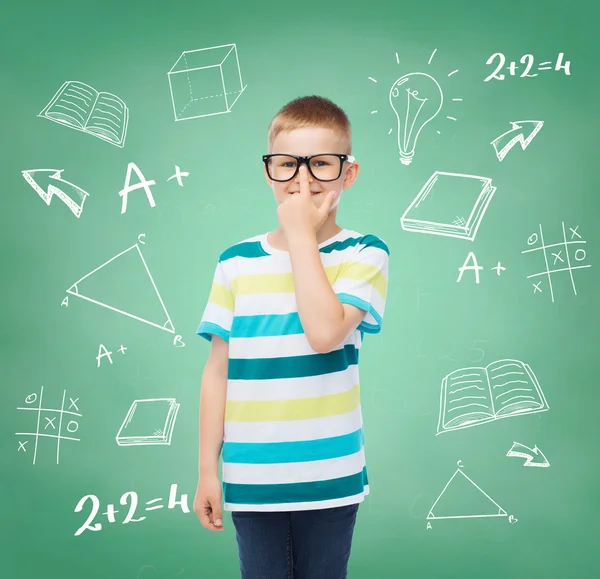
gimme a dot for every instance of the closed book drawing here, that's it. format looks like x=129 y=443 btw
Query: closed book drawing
x=148 y=422
x=472 y=396
x=83 y=108
x=449 y=204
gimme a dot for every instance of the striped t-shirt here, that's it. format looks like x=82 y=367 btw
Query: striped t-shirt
x=293 y=433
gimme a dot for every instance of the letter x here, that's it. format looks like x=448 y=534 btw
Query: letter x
x=50 y=422
x=557 y=256
x=536 y=287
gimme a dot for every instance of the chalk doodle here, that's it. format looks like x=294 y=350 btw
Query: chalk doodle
x=205 y=82
x=415 y=99
x=527 y=60
x=506 y=141
x=50 y=423
x=563 y=256
x=148 y=422
x=474 y=396
x=533 y=456
x=449 y=204
x=144 y=184
x=104 y=353
x=462 y=498
x=132 y=262
x=471 y=264
x=130 y=500
x=79 y=106
x=48 y=183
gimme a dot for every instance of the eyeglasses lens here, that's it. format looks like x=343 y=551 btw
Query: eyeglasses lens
x=323 y=167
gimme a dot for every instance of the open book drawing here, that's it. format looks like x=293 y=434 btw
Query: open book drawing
x=83 y=108
x=449 y=204
x=472 y=396
x=148 y=422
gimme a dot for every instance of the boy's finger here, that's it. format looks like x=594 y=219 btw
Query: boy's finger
x=304 y=184
x=205 y=520
x=328 y=202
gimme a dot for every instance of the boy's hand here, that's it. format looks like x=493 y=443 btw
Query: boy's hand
x=298 y=214
x=207 y=503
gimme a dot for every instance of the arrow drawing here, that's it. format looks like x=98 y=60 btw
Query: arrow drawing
x=48 y=182
x=534 y=456
x=517 y=134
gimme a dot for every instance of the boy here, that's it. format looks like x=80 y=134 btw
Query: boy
x=286 y=317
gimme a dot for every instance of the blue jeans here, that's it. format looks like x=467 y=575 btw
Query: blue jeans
x=295 y=544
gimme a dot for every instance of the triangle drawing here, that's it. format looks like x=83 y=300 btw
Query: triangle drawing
x=125 y=285
x=461 y=498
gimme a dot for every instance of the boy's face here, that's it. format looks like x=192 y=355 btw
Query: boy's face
x=308 y=141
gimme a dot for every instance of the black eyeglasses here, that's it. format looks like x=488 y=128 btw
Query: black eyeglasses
x=323 y=167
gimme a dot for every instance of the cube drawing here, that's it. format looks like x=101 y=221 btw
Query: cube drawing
x=205 y=82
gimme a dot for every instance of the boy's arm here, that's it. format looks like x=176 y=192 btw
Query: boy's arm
x=212 y=407
x=325 y=319
x=329 y=314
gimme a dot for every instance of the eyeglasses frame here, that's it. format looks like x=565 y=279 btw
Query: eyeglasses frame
x=300 y=159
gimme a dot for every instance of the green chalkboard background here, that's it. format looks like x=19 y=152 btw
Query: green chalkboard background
x=351 y=52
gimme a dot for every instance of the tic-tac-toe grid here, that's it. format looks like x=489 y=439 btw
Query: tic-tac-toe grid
x=558 y=257
x=49 y=422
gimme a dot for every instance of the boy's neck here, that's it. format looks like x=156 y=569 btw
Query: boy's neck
x=277 y=238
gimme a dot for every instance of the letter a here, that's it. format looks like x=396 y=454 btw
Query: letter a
x=474 y=267
x=128 y=188
x=103 y=354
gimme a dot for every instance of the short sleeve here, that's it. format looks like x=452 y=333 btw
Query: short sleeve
x=362 y=281
x=218 y=314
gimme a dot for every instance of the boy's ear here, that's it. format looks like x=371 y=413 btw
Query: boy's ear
x=351 y=174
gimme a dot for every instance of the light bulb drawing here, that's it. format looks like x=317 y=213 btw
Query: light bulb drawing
x=416 y=98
